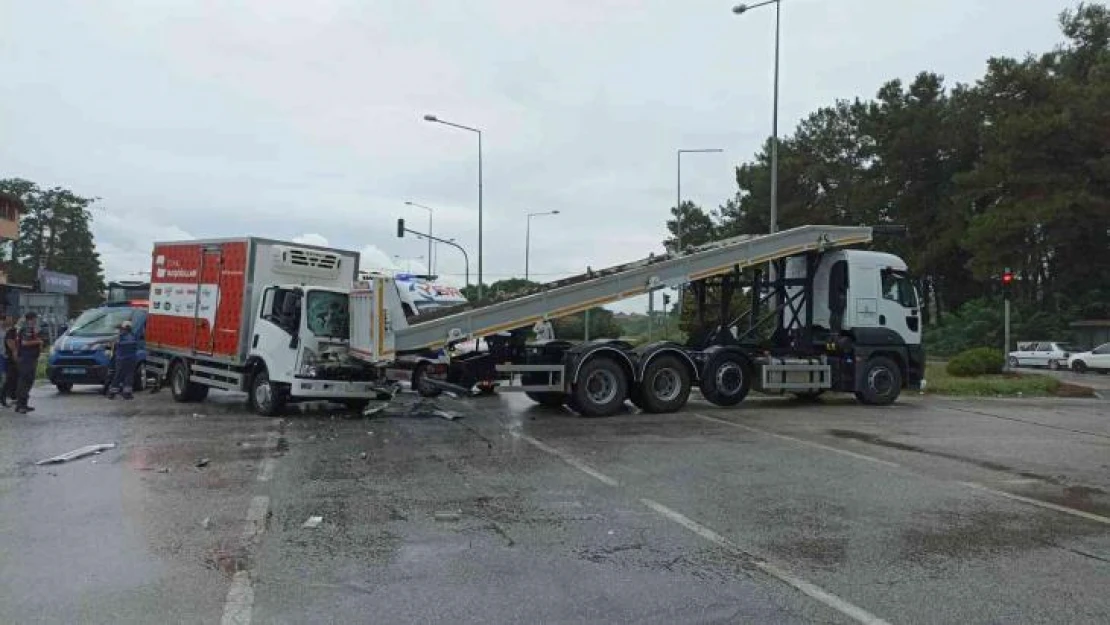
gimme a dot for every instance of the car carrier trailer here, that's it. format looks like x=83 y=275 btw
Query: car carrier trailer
x=832 y=318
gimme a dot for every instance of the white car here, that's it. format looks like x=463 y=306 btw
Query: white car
x=1098 y=359
x=1051 y=354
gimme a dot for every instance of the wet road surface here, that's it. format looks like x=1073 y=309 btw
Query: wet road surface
x=930 y=511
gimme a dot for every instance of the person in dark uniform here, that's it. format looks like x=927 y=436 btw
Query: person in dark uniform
x=29 y=347
x=11 y=367
x=126 y=355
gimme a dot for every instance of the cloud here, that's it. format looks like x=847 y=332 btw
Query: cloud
x=311 y=239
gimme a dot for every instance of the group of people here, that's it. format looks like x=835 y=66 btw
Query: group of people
x=22 y=347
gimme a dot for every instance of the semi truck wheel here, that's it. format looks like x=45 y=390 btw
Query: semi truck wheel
x=181 y=388
x=601 y=388
x=665 y=386
x=266 y=398
x=549 y=399
x=727 y=379
x=882 y=382
x=419 y=382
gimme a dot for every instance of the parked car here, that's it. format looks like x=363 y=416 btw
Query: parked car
x=83 y=355
x=1051 y=354
x=1098 y=359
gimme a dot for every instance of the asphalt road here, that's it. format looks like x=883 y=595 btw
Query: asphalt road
x=1098 y=381
x=931 y=511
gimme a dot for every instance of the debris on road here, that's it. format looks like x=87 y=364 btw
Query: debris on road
x=364 y=455
x=80 y=452
x=313 y=522
x=206 y=522
x=201 y=463
x=448 y=515
x=164 y=470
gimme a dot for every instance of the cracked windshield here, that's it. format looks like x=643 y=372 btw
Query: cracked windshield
x=783 y=311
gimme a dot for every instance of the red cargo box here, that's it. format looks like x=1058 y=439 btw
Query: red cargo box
x=199 y=299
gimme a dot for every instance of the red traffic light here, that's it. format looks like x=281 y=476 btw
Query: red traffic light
x=1007 y=278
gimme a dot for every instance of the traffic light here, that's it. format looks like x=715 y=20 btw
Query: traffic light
x=400 y=228
x=1007 y=282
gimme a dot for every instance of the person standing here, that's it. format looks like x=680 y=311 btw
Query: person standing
x=11 y=371
x=28 y=350
x=127 y=353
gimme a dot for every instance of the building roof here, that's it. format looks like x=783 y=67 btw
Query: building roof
x=1091 y=323
x=8 y=199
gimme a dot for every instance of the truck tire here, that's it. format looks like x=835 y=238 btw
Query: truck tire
x=727 y=379
x=419 y=375
x=665 y=386
x=181 y=388
x=551 y=399
x=266 y=399
x=600 y=389
x=882 y=382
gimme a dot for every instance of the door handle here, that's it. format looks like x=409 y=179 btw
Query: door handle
x=882 y=320
x=254 y=343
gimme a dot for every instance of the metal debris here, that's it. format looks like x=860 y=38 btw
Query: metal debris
x=313 y=522
x=364 y=455
x=81 y=452
x=201 y=462
x=206 y=522
x=448 y=515
x=164 y=470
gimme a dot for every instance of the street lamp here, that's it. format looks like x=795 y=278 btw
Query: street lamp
x=528 y=237
x=431 y=260
x=678 y=201
x=433 y=118
x=739 y=10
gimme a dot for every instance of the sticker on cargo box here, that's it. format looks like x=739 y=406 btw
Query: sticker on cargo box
x=183 y=302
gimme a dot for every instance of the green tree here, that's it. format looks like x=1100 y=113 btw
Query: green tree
x=54 y=234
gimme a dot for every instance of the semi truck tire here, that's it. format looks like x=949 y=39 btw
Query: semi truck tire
x=727 y=379
x=665 y=386
x=181 y=388
x=600 y=389
x=882 y=382
x=266 y=399
x=549 y=399
x=419 y=376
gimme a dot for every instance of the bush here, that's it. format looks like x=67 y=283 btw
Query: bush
x=977 y=361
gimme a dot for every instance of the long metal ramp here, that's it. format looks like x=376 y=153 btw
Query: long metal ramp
x=595 y=288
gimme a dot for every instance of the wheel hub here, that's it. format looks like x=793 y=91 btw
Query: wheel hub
x=880 y=380
x=601 y=387
x=262 y=393
x=666 y=384
x=729 y=377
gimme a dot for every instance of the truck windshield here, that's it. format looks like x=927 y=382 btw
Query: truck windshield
x=100 y=321
x=327 y=314
x=898 y=287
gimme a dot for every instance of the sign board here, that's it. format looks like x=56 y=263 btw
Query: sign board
x=54 y=282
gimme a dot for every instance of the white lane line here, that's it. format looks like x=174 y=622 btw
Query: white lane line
x=811 y=590
x=267 y=470
x=569 y=459
x=240 y=600
x=800 y=441
x=256 y=517
x=973 y=485
x=1090 y=516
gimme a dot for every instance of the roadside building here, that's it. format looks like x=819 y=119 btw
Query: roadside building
x=11 y=209
x=1090 y=333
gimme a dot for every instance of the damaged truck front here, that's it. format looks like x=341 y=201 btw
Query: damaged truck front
x=268 y=318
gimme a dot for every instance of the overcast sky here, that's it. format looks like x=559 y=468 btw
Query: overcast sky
x=287 y=118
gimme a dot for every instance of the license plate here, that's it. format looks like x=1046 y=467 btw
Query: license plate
x=73 y=371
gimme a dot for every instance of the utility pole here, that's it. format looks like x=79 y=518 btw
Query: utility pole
x=1007 y=282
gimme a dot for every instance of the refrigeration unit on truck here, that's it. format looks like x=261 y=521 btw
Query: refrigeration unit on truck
x=826 y=318
x=266 y=317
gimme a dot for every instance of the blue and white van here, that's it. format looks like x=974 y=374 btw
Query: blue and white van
x=83 y=355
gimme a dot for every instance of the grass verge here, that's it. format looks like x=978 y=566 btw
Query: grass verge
x=1006 y=385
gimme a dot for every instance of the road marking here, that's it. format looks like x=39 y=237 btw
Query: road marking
x=267 y=470
x=240 y=600
x=1090 y=516
x=811 y=590
x=973 y=485
x=800 y=441
x=571 y=460
x=256 y=517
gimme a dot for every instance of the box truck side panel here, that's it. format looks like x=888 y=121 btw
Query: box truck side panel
x=196 y=301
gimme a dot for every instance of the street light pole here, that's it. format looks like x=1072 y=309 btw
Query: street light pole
x=433 y=118
x=431 y=259
x=740 y=9
x=528 y=238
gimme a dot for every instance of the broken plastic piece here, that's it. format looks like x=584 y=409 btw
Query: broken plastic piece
x=80 y=452
x=313 y=521
x=448 y=515
x=201 y=462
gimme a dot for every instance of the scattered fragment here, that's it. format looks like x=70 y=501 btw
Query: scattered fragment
x=364 y=455
x=446 y=414
x=205 y=522
x=610 y=532
x=448 y=515
x=201 y=462
x=374 y=409
x=313 y=522
x=164 y=470
x=81 y=452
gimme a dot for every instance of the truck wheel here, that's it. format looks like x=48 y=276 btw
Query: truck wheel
x=666 y=385
x=727 y=379
x=64 y=387
x=266 y=398
x=419 y=382
x=601 y=388
x=139 y=383
x=179 y=382
x=550 y=399
x=882 y=382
